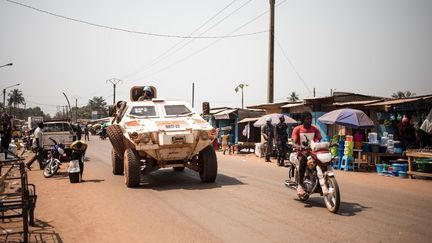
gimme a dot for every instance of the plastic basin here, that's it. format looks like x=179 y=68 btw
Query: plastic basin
x=380 y=168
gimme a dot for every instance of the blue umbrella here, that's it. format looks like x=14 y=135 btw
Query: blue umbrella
x=347 y=117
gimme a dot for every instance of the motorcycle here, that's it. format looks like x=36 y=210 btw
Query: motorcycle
x=52 y=164
x=319 y=176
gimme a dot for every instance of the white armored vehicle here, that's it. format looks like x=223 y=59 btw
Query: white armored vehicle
x=149 y=133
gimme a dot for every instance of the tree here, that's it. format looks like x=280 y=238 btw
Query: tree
x=293 y=97
x=241 y=86
x=16 y=98
x=97 y=104
x=401 y=94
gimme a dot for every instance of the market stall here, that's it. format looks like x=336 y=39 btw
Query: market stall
x=414 y=157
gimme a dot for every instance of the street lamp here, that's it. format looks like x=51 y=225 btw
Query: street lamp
x=9 y=64
x=4 y=93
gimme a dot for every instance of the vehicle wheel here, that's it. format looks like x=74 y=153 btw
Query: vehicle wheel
x=178 y=168
x=332 y=200
x=208 y=164
x=131 y=168
x=117 y=163
x=51 y=168
x=115 y=136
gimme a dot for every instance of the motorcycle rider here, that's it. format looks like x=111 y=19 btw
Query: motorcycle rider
x=301 y=134
x=268 y=133
x=281 y=138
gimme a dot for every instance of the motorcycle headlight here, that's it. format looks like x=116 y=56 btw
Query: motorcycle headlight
x=60 y=151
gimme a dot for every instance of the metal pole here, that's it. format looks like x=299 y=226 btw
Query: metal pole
x=114 y=82
x=271 y=54
x=70 y=111
x=242 y=98
x=4 y=99
x=76 y=110
x=193 y=95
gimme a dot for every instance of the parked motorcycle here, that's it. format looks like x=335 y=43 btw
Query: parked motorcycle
x=319 y=176
x=52 y=164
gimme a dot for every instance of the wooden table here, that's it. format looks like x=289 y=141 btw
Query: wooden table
x=411 y=156
x=375 y=158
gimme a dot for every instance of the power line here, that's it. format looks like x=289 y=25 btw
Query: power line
x=212 y=43
x=167 y=53
x=132 y=31
x=293 y=67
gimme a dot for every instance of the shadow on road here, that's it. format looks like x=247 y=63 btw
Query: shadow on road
x=44 y=232
x=94 y=180
x=351 y=209
x=345 y=209
x=188 y=180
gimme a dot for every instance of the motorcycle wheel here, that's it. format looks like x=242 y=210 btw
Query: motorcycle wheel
x=51 y=168
x=332 y=200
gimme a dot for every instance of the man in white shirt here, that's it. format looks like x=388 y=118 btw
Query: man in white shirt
x=38 y=145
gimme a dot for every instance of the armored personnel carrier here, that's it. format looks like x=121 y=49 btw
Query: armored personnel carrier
x=149 y=133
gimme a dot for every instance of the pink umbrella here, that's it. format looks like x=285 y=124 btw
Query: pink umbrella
x=275 y=119
x=347 y=117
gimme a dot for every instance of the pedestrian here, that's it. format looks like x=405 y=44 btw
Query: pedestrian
x=38 y=146
x=5 y=133
x=86 y=134
x=225 y=138
x=78 y=131
x=78 y=151
x=267 y=132
x=281 y=138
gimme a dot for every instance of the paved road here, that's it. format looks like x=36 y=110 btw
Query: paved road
x=247 y=203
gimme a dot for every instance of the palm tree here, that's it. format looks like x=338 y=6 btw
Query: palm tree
x=401 y=94
x=240 y=86
x=16 y=98
x=293 y=97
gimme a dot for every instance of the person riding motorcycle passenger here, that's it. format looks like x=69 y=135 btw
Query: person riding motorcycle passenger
x=281 y=137
x=301 y=135
x=267 y=132
x=146 y=94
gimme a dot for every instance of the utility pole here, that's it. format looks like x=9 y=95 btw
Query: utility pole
x=193 y=94
x=76 y=109
x=114 y=82
x=271 y=54
x=314 y=92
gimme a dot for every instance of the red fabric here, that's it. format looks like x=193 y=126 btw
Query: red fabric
x=299 y=130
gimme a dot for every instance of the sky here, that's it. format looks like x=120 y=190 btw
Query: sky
x=372 y=47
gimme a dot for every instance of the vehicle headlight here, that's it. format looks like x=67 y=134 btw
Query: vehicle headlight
x=145 y=138
x=204 y=135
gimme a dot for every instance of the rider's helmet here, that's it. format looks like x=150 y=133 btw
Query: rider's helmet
x=268 y=119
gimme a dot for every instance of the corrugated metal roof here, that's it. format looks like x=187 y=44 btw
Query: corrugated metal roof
x=361 y=102
x=293 y=105
x=224 y=114
x=249 y=120
x=396 y=101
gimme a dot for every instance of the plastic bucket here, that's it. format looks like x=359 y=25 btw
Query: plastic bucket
x=403 y=174
x=74 y=177
x=396 y=167
x=349 y=138
x=403 y=167
x=380 y=168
